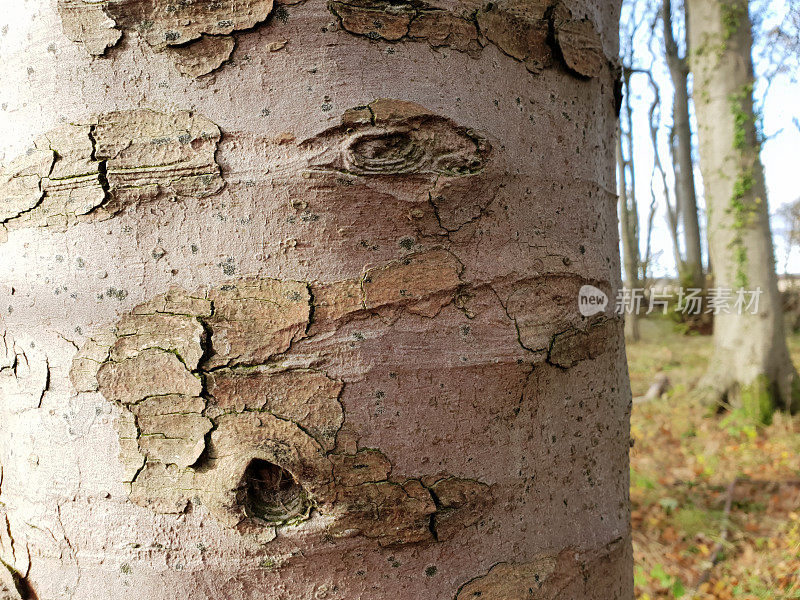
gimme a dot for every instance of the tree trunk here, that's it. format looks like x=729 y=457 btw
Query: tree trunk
x=290 y=300
x=630 y=245
x=751 y=364
x=691 y=274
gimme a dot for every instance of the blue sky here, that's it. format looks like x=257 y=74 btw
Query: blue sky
x=779 y=103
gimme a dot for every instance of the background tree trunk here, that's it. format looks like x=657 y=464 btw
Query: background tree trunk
x=691 y=272
x=290 y=301
x=751 y=364
x=630 y=240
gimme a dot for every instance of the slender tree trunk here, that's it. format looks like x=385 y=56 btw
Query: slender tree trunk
x=751 y=364
x=630 y=246
x=692 y=268
x=673 y=212
x=290 y=301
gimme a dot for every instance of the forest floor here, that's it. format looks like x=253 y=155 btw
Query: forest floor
x=688 y=463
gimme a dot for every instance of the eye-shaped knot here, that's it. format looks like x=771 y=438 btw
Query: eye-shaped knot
x=429 y=147
x=378 y=153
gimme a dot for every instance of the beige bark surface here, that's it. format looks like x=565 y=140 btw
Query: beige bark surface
x=751 y=364
x=289 y=301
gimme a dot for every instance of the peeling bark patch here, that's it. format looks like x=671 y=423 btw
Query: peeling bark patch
x=89 y=24
x=255 y=320
x=195 y=33
x=308 y=398
x=365 y=466
x=510 y=580
x=21 y=183
x=536 y=33
x=413 y=20
x=80 y=173
x=24 y=375
x=55 y=184
x=460 y=504
x=370 y=502
x=373 y=20
x=571 y=347
x=571 y=573
x=149 y=155
x=548 y=322
x=520 y=28
x=203 y=56
x=172 y=429
x=392 y=512
x=421 y=283
x=153 y=372
x=426 y=282
x=214 y=408
x=163 y=24
x=580 y=44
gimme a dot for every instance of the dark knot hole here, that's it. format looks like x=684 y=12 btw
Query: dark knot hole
x=272 y=494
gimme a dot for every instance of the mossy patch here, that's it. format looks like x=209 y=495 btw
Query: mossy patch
x=758 y=400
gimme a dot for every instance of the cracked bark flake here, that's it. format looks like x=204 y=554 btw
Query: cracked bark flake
x=393 y=21
x=181 y=334
x=335 y=301
x=152 y=372
x=443 y=28
x=373 y=20
x=202 y=56
x=163 y=24
x=89 y=172
x=308 y=398
x=425 y=282
x=99 y=25
x=176 y=438
x=391 y=512
x=510 y=580
x=365 y=466
x=149 y=154
x=88 y=360
x=88 y=24
x=460 y=503
x=519 y=28
x=21 y=183
x=543 y=307
x=580 y=43
x=74 y=185
x=572 y=346
x=256 y=319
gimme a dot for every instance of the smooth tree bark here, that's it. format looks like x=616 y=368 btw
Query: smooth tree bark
x=291 y=301
x=691 y=271
x=751 y=364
